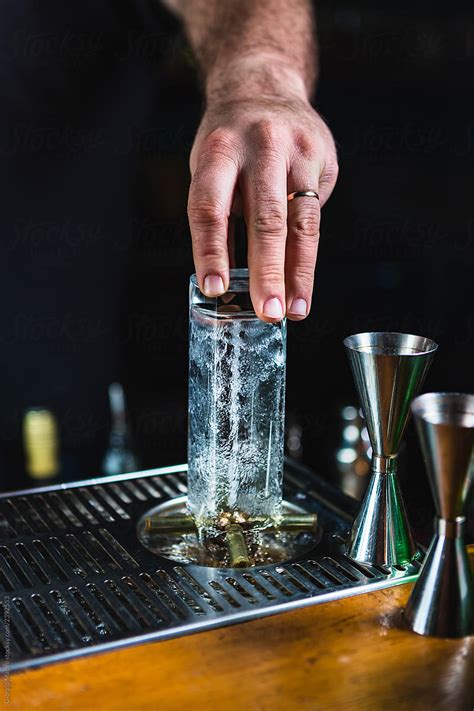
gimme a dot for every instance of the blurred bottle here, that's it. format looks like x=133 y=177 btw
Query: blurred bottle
x=294 y=437
x=119 y=457
x=353 y=454
x=41 y=444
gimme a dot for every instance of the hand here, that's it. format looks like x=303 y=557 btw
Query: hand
x=247 y=156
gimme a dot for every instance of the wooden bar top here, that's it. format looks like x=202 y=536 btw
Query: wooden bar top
x=349 y=654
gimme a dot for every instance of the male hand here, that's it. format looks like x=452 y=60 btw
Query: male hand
x=248 y=155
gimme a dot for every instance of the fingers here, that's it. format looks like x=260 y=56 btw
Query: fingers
x=265 y=208
x=210 y=200
x=259 y=172
x=311 y=169
x=328 y=178
x=302 y=242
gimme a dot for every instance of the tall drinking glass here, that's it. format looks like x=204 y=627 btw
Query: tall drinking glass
x=236 y=406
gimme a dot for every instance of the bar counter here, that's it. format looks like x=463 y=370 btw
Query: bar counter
x=347 y=654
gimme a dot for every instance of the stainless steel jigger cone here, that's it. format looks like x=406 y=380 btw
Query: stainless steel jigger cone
x=441 y=603
x=388 y=369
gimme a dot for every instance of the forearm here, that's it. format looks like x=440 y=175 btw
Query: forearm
x=251 y=47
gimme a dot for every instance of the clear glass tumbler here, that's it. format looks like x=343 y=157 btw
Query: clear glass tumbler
x=236 y=406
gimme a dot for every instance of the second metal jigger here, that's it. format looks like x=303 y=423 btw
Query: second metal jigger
x=389 y=369
x=442 y=600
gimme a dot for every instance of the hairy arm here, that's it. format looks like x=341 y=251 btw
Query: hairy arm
x=259 y=140
x=251 y=36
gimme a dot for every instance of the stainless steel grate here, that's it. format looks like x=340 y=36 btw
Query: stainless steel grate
x=75 y=579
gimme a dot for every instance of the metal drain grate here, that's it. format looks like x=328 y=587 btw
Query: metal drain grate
x=74 y=579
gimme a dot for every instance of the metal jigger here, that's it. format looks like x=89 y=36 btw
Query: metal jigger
x=441 y=603
x=388 y=369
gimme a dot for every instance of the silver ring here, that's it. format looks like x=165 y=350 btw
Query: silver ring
x=303 y=193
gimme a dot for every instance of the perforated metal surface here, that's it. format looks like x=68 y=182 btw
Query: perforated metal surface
x=75 y=579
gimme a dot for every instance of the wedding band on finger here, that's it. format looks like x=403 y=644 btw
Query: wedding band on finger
x=303 y=193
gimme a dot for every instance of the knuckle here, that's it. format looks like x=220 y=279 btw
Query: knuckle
x=208 y=246
x=220 y=142
x=331 y=171
x=270 y=220
x=303 y=273
x=206 y=213
x=209 y=251
x=306 y=228
x=268 y=136
x=306 y=145
x=271 y=275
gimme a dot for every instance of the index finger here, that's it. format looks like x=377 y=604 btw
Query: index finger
x=209 y=206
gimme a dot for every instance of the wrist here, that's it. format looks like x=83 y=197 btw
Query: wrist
x=263 y=75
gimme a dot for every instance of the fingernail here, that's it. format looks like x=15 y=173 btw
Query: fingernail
x=213 y=285
x=299 y=307
x=272 y=308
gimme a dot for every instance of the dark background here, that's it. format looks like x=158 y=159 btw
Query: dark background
x=101 y=102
